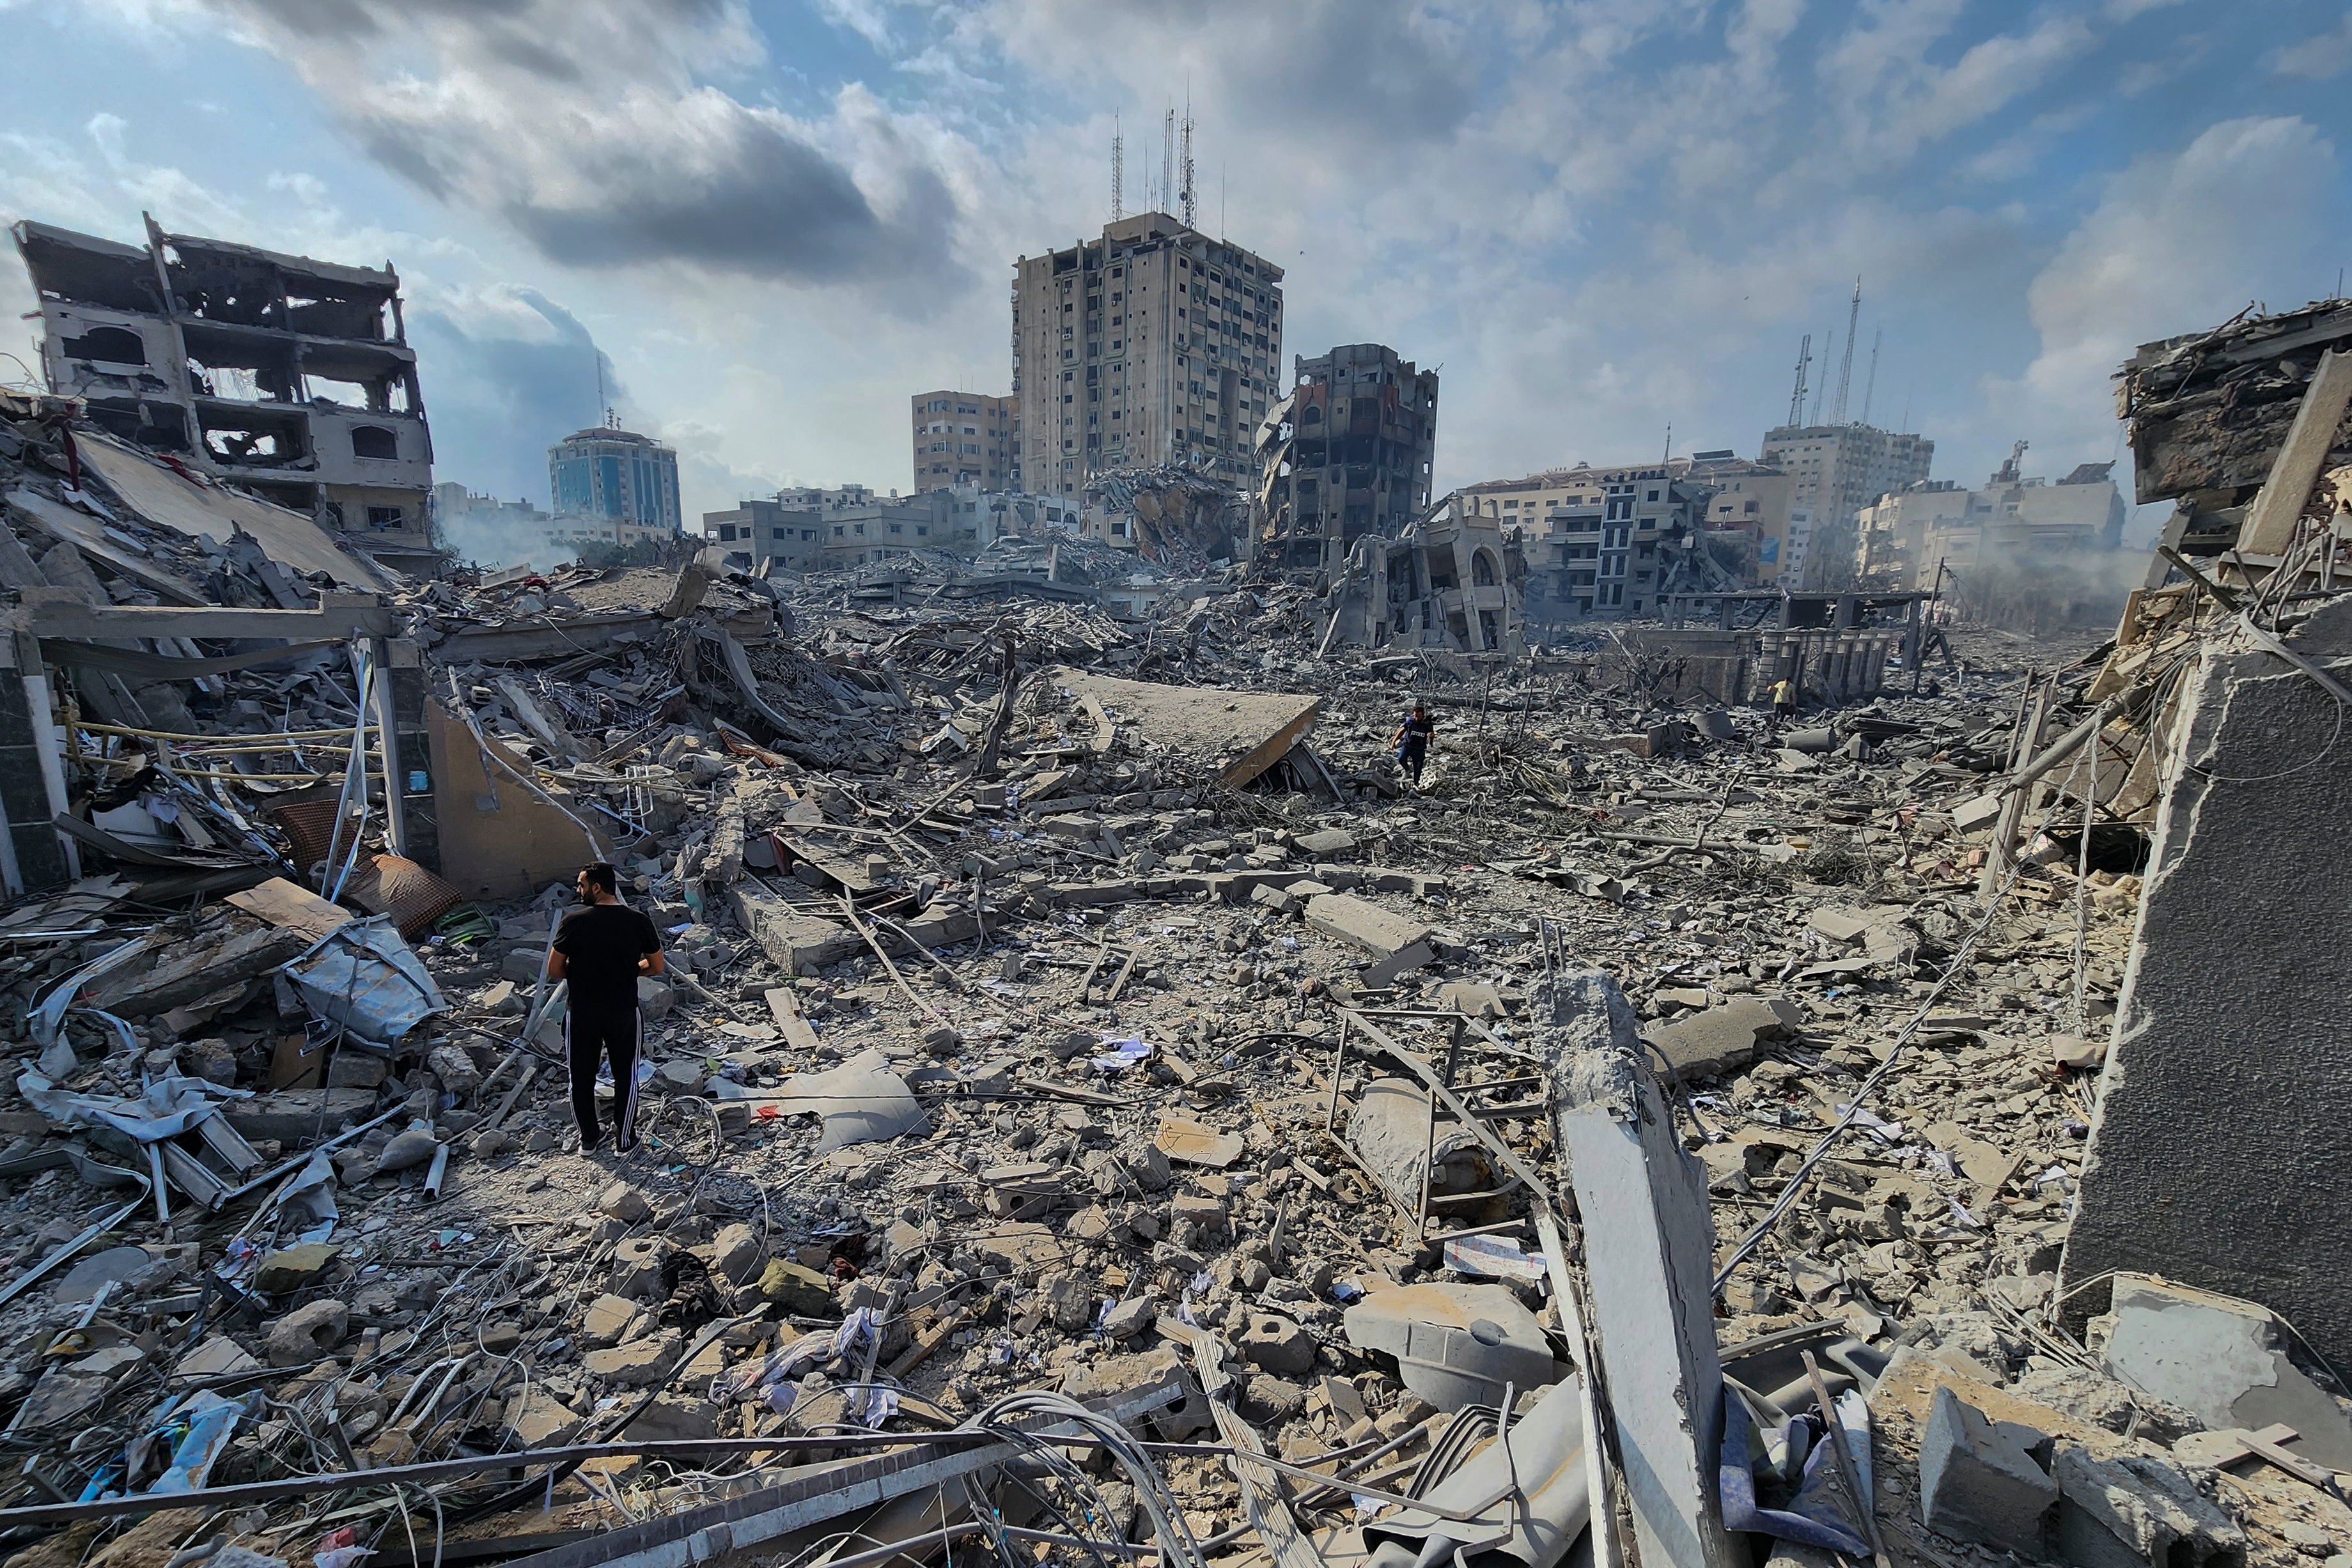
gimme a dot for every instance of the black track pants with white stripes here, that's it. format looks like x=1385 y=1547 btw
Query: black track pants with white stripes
x=615 y=1034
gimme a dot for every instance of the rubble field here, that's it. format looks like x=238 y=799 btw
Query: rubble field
x=1096 y=1106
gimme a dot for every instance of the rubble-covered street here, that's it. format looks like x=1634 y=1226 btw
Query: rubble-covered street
x=1096 y=1106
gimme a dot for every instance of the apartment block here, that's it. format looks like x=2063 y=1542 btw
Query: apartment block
x=1151 y=344
x=1595 y=540
x=287 y=377
x=1910 y=539
x=853 y=526
x=628 y=480
x=962 y=438
x=791 y=536
x=1362 y=448
x=1839 y=469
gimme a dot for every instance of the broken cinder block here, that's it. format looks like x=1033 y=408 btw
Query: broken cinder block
x=1980 y=1479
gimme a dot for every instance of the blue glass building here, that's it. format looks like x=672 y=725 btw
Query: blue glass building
x=616 y=474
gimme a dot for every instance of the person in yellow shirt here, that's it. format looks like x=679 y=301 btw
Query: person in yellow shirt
x=1784 y=702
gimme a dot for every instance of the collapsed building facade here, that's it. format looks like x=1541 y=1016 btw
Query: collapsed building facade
x=1454 y=579
x=289 y=376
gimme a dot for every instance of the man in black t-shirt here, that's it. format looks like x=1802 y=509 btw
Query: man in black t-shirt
x=602 y=949
x=1412 y=741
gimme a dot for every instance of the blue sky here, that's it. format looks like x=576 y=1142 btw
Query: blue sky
x=775 y=221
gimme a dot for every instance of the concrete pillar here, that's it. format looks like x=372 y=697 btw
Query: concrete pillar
x=34 y=856
x=1649 y=1259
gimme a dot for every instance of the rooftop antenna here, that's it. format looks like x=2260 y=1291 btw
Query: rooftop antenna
x=1118 y=170
x=1871 y=385
x=1829 y=341
x=1906 y=425
x=1191 y=213
x=1796 y=397
x=1845 y=369
x=1669 y=455
x=1167 y=158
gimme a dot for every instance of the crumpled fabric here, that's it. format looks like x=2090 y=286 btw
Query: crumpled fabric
x=165 y=1109
x=774 y=1378
x=1812 y=1516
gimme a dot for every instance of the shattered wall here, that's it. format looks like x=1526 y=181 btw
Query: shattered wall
x=498 y=839
x=2218 y=1147
x=1456 y=582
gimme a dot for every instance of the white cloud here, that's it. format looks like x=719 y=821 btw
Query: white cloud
x=2177 y=243
x=2319 y=57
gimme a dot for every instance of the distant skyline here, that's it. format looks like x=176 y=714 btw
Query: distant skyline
x=776 y=221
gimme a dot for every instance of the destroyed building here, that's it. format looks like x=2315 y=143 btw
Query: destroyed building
x=1455 y=580
x=1606 y=542
x=1150 y=345
x=1097 y=1109
x=1354 y=459
x=289 y=376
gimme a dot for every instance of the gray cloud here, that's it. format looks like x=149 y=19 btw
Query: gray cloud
x=584 y=125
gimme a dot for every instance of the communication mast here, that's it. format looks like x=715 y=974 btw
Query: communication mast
x=1167 y=157
x=1796 y=397
x=1845 y=369
x=1118 y=171
x=1192 y=212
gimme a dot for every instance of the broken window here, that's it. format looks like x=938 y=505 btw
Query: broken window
x=386 y=517
x=374 y=441
x=113 y=345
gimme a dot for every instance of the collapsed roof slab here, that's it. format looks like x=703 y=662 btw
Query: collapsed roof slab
x=1239 y=735
x=171 y=500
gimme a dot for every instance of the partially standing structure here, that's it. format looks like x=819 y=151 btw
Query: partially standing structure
x=288 y=377
x=1350 y=452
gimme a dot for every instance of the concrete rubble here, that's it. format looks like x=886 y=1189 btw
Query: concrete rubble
x=1078 y=1034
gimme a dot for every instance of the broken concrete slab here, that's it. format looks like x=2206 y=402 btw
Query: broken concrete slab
x=1454 y=1344
x=1725 y=1038
x=1397 y=943
x=2133 y=1511
x=1187 y=1141
x=181 y=969
x=862 y=1102
x=2227 y=1048
x=797 y=943
x=1649 y=1262
x=2221 y=1359
x=1236 y=734
x=297 y=1118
